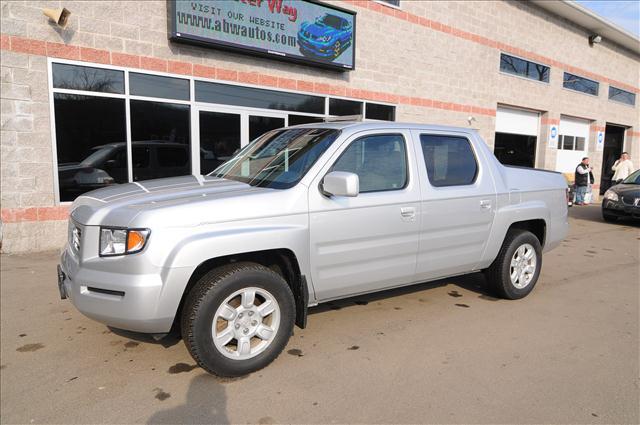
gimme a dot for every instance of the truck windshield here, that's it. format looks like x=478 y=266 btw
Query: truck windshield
x=278 y=159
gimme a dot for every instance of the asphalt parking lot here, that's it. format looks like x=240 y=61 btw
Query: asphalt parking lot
x=442 y=352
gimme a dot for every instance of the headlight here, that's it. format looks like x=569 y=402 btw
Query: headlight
x=611 y=195
x=122 y=241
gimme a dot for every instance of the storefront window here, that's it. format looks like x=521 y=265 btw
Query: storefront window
x=343 y=107
x=158 y=86
x=258 y=98
x=90 y=142
x=376 y=111
x=219 y=138
x=160 y=134
x=93 y=106
x=259 y=125
x=303 y=119
x=87 y=78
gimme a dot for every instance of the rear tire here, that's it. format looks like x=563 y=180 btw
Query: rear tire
x=514 y=273
x=237 y=319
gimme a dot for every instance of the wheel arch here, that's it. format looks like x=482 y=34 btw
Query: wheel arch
x=532 y=216
x=283 y=261
x=537 y=226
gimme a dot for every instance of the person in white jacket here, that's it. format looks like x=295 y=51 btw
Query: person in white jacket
x=622 y=168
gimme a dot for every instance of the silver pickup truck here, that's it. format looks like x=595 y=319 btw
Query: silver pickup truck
x=301 y=216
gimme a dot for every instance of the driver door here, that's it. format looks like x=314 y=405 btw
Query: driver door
x=368 y=242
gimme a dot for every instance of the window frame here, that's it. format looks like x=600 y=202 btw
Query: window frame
x=547 y=83
x=459 y=136
x=364 y=136
x=195 y=107
x=578 y=91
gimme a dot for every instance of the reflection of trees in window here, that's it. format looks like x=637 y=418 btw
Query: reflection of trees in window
x=623 y=96
x=88 y=79
x=524 y=68
x=584 y=85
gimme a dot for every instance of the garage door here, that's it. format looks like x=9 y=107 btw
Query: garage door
x=516 y=136
x=573 y=143
x=516 y=121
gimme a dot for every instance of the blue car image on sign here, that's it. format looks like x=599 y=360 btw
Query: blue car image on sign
x=327 y=37
x=297 y=30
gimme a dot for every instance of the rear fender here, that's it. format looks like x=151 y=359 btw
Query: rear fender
x=505 y=217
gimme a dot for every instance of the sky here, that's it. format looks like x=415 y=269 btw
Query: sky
x=625 y=13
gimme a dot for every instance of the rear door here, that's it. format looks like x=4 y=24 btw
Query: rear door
x=368 y=242
x=458 y=204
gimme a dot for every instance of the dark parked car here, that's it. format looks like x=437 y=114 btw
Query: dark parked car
x=327 y=37
x=107 y=164
x=623 y=200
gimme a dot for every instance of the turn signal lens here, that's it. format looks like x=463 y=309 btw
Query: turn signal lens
x=122 y=241
x=136 y=240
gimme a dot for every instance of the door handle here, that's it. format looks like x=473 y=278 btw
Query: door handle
x=408 y=212
x=485 y=204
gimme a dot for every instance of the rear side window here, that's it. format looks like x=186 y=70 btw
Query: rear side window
x=449 y=160
x=141 y=155
x=380 y=162
x=172 y=157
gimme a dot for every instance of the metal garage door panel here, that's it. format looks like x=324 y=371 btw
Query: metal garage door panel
x=574 y=127
x=567 y=160
x=517 y=121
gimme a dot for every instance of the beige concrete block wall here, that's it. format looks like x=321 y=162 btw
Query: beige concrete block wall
x=395 y=55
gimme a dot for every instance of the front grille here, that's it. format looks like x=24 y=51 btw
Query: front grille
x=629 y=200
x=75 y=236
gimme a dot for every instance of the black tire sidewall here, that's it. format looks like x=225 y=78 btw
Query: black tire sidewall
x=206 y=352
x=608 y=217
x=518 y=240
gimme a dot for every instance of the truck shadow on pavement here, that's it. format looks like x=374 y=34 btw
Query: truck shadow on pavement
x=171 y=339
x=206 y=403
x=474 y=282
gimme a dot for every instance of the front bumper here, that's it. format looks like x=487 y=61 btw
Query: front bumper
x=125 y=301
x=620 y=209
x=324 y=50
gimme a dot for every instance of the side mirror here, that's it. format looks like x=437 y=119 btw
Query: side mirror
x=341 y=183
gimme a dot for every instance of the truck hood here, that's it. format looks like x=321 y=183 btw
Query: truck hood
x=319 y=30
x=185 y=197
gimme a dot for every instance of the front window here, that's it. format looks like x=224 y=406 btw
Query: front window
x=332 y=21
x=380 y=161
x=278 y=159
x=634 y=178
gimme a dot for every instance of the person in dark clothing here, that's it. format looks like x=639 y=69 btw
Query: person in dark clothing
x=583 y=178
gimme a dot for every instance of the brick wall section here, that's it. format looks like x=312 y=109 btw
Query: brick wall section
x=437 y=60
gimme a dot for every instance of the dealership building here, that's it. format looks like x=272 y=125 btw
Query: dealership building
x=122 y=91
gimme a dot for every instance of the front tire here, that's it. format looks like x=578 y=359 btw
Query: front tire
x=515 y=271
x=237 y=319
x=609 y=218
